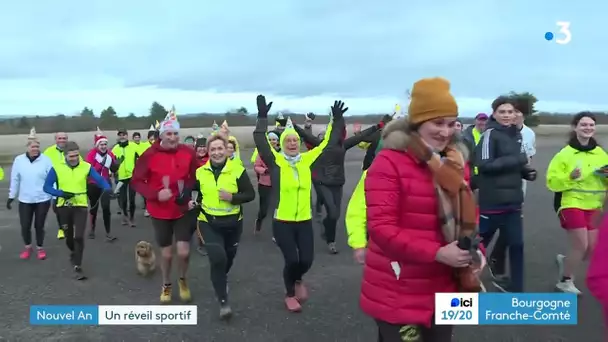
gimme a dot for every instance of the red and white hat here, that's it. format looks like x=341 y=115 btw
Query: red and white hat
x=99 y=137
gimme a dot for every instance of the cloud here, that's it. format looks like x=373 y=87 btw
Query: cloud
x=200 y=56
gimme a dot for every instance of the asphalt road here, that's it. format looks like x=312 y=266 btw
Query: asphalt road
x=256 y=287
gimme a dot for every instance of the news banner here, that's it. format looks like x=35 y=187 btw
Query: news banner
x=506 y=309
x=450 y=309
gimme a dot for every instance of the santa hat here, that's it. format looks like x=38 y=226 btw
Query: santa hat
x=99 y=137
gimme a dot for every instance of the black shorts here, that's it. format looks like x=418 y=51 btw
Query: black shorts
x=166 y=230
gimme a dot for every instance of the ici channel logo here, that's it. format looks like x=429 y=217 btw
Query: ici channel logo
x=461 y=302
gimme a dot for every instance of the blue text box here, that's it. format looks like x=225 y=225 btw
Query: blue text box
x=528 y=309
x=64 y=315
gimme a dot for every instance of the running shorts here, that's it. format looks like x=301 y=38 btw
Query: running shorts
x=574 y=218
x=166 y=230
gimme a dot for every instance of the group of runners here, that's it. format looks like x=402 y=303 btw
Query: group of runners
x=427 y=187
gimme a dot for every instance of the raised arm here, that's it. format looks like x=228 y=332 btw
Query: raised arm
x=366 y=135
x=306 y=135
x=259 y=134
x=333 y=134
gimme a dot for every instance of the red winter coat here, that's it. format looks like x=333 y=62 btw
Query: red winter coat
x=405 y=232
x=597 y=275
x=156 y=163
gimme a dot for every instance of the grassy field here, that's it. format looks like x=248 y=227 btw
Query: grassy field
x=12 y=145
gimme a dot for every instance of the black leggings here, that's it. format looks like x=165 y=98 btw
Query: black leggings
x=295 y=239
x=54 y=207
x=331 y=197
x=97 y=198
x=398 y=333
x=127 y=194
x=264 y=192
x=222 y=243
x=75 y=219
x=36 y=212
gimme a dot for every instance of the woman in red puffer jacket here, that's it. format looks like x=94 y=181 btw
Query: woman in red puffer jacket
x=408 y=259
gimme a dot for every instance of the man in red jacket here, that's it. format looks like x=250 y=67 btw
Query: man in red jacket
x=164 y=175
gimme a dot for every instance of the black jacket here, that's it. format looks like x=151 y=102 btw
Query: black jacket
x=500 y=161
x=328 y=169
x=370 y=154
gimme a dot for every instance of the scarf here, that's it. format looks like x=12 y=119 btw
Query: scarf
x=292 y=160
x=457 y=208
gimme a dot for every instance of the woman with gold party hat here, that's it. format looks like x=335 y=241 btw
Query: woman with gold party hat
x=290 y=173
x=27 y=179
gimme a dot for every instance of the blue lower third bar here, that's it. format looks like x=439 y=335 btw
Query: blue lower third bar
x=64 y=315
x=528 y=309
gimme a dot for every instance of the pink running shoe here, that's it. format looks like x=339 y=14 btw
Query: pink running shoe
x=301 y=292
x=292 y=304
x=27 y=252
x=41 y=254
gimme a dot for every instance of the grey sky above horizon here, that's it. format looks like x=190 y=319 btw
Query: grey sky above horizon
x=204 y=56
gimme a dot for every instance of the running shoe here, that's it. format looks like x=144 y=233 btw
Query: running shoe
x=146 y=213
x=27 y=252
x=165 y=294
x=184 y=291
x=293 y=304
x=92 y=235
x=60 y=234
x=110 y=238
x=301 y=291
x=79 y=273
x=567 y=286
x=258 y=227
x=225 y=310
x=41 y=254
x=332 y=248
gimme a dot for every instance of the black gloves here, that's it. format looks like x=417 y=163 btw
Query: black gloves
x=338 y=110
x=67 y=195
x=183 y=198
x=9 y=203
x=528 y=173
x=263 y=107
x=311 y=116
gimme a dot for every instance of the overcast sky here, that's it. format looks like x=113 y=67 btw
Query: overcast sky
x=59 y=56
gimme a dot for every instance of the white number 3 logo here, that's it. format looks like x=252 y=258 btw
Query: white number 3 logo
x=564 y=28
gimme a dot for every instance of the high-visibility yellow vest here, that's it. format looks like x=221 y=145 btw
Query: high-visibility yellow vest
x=476 y=138
x=211 y=203
x=74 y=180
x=125 y=171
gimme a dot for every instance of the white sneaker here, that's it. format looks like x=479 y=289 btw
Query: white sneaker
x=146 y=213
x=568 y=286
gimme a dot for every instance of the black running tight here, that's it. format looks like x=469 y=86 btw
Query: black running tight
x=295 y=239
x=99 y=198
x=35 y=212
x=126 y=195
x=331 y=197
x=74 y=224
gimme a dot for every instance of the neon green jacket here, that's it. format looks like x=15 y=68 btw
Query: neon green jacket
x=356 y=216
x=588 y=191
x=292 y=179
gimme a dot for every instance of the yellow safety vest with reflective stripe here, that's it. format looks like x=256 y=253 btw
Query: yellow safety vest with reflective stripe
x=356 y=216
x=476 y=138
x=589 y=190
x=57 y=156
x=74 y=180
x=210 y=189
x=125 y=170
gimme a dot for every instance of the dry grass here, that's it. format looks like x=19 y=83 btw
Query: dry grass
x=11 y=145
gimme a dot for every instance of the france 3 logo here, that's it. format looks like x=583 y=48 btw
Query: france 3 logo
x=456 y=308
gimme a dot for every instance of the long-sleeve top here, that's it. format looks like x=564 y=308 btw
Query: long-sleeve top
x=262 y=170
x=27 y=178
x=105 y=164
x=51 y=180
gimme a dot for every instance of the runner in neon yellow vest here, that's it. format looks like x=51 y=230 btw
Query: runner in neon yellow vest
x=473 y=133
x=70 y=178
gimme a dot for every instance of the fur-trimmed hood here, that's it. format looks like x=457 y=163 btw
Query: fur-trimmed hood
x=396 y=135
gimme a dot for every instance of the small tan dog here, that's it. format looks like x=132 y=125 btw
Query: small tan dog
x=145 y=258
